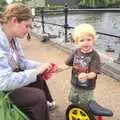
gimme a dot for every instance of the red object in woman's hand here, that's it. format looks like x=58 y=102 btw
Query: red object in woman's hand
x=47 y=74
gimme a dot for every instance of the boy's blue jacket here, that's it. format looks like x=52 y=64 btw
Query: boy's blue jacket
x=10 y=80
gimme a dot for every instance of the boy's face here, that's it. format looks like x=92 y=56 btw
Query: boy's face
x=85 y=43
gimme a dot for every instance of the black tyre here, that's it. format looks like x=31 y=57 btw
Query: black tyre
x=78 y=112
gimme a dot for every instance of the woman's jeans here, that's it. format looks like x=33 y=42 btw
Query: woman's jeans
x=32 y=100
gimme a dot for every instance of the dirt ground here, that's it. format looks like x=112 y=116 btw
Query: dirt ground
x=107 y=92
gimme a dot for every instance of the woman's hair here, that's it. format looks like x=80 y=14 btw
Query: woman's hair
x=0 y=17
x=83 y=29
x=18 y=10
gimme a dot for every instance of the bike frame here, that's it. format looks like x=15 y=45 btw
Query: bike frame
x=78 y=111
x=99 y=118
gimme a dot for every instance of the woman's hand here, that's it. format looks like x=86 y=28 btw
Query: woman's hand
x=47 y=74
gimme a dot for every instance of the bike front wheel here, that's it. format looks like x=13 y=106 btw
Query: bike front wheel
x=78 y=112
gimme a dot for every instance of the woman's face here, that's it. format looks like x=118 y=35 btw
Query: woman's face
x=20 y=29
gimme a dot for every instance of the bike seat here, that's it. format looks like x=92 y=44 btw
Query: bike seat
x=97 y=110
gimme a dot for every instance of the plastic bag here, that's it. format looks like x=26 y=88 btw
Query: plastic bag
x=9 y=111
x=47 y=74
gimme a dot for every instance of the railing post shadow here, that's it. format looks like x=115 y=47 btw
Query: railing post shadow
x=44 y=35
x=66 y=21
x=117 y=60
x=42 y=20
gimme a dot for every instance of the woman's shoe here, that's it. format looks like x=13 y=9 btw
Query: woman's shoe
x=51 y=106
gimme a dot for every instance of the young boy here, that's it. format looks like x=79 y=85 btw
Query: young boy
x=85 y=63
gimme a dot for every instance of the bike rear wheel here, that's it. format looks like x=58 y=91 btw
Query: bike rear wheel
x=78 y=112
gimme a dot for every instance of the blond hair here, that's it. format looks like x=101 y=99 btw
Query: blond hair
x=83 y=29
x=18 y=10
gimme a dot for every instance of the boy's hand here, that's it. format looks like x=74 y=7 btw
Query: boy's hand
x=86 y=76
x=61 y=68
x=82 y=76
x=91 y=75
x=43 y=67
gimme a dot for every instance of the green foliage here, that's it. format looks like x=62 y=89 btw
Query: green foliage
x=22 y=1
x=3 y=3
x=99 y=3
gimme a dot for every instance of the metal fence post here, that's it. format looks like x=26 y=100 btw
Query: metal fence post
x=42 y=20
x=66 y=24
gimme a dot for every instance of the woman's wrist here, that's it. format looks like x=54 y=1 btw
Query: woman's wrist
x=36 y=71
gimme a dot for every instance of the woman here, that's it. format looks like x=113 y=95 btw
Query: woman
x=18 y=74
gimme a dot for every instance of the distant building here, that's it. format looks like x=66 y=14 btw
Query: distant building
x=71 y=3
x=56 y=1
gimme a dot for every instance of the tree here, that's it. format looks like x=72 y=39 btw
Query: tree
x=23 y=1
x=3 y=3
x=99 y=3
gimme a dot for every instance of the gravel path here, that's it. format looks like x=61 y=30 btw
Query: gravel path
x=107 y=92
